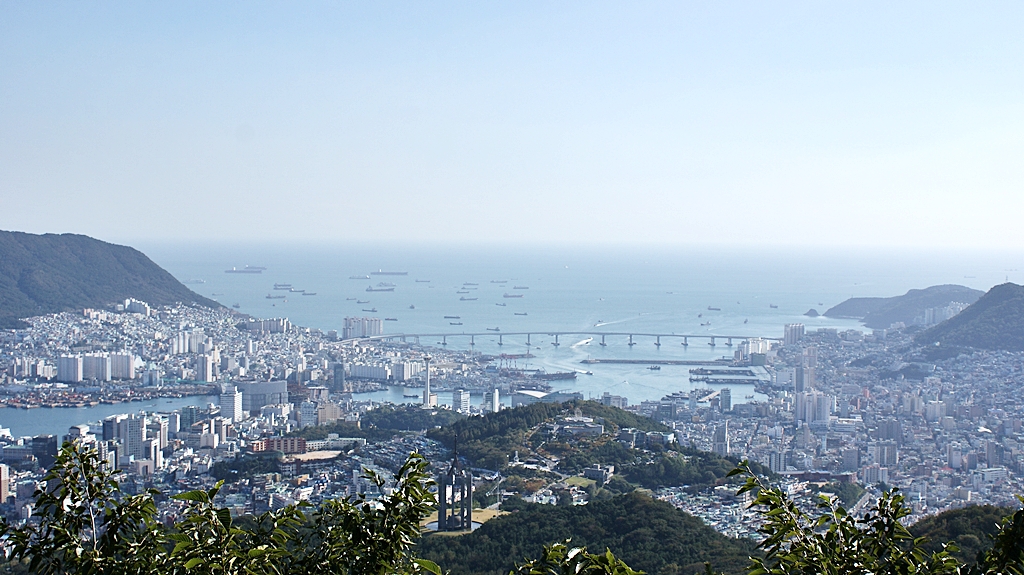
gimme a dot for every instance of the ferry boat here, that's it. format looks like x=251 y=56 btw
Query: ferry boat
x=512 y=295
x=293 y=290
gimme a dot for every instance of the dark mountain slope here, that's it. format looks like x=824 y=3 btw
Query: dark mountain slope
x=971 y=528
x=647 y=534
x=996 y=321
x=51 y=273
x=881 y=312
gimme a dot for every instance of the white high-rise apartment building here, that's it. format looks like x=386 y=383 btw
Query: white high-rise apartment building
x=204 y=368
x=793 y=333
x=231 y=404
x=460 y=401
x=122 y=366
x=69 y=368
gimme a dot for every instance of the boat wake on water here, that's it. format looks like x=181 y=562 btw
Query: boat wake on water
x=582 y=342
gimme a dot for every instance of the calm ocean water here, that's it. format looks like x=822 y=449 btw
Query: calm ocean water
x=648 y=290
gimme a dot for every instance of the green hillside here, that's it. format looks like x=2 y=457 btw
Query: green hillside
x=996 y=321
x=881 y=312
x=51 y=273
x=970 y=528
x=647 y=534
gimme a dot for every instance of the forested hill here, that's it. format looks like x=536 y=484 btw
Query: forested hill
x=647 y=534
x=996 y=321
x=50 y=273
x=970 y=528
x=881 y=312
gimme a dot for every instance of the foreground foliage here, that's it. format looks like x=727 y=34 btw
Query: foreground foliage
x=85 y=524
x=837 y=543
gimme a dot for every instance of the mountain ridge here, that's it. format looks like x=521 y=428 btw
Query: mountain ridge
x=994 y=322
x=881 y=312
x=51 y=273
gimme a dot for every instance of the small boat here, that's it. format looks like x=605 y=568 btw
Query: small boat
x=714 y=308
x=410 y=395
x=819 y=303
x=358 y=277
x=216 y=294
x=520 y=287
x=705 y=324
x=350 y=299
x=309 y=293
x=468 y=298
x=391 y=319
x=748 y=397
x=362 y=301
x=773 y=306
x=654 y=367
x=518 y=313
x=371 y=310
x=494 y=329
x=512 y=295
x=700 y=315
x=501 y=304
x=452 y=317
x=744 y=321
x=455 y=323
x=236 y=306
x=412 y=307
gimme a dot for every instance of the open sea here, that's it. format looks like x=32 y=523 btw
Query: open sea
x=584 y=288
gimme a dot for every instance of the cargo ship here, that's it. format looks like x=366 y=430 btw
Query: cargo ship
x=371 y=288
x=464 y=298
x=246 y=270
x=282 y=286
x=512 y=295
x=555 y=376
x=384 y=273
x=275 y=296
x=358 y=277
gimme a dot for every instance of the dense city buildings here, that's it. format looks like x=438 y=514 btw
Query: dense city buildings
x=831 y=407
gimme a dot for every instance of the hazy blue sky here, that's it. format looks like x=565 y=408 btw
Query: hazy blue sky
x=747 y=123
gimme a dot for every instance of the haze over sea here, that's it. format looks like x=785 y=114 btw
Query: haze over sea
x=641 y=290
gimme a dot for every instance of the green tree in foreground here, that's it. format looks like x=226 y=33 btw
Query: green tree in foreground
x=84 y=524
x=838 y=543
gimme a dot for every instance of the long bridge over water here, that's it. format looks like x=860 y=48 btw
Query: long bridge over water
x=685 y=338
